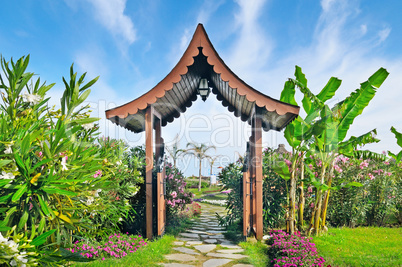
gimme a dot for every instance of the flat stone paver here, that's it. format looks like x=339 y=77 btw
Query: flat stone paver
x=216 y=231
x=215 y=262
x=231 y=251
x=186 y=251
x=189 y=235
x=180 y=257
x=192 y=243
x=176 y=265
x=187 y=239
x=205 y=248
x=230 y=245
x=197 y=246
x=197 y=231
x=226 y=255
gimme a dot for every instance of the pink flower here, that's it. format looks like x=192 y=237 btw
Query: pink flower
x=337 y=168
x=371 y=176
x=363 y=164
x=288 y=162
x=98 y=173
x=174 y=194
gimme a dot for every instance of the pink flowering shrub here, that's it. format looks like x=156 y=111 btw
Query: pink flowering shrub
x=115 y=246
x=176 y=194
x=293 y=250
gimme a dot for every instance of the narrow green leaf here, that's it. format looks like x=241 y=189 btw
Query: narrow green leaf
x=85 y=120
x=83 y=96
x=89 y=84
x=42 y=223
x=25 y=145
x=24 y=219
x=44 y=206
x=47 y=150
x=17 y=195
x=59 y=191
x=42 y=238
x=4 y=162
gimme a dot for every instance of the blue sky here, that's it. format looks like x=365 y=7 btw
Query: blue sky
x=132 y=45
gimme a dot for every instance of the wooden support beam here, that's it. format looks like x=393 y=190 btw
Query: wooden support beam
x=246 y=202
x=258 y=174
x=252 y=180
x=149 y=161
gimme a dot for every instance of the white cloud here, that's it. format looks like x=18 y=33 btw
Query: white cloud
x=185 y=40
x=253 y=47
x=335 y=50
x=363 y=29
x=207 y=9
x=110 y=13
x=383 y=34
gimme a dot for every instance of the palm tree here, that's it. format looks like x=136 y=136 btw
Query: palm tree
x=212 y=161
x=199 y=151
x=175 y=152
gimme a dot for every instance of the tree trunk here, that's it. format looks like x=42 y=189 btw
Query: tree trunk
x=301 y=197
x=199 y=177
x=318 y=213
x=319 y=202
x=326 y=196
x=292 y=196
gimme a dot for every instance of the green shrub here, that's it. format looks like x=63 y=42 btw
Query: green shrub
x=56 y=176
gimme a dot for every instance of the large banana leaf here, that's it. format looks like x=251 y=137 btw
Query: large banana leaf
x=348 y=147
x=398 y=136
x=354 y=105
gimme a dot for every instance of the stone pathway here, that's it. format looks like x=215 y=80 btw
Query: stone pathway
x=204 y=244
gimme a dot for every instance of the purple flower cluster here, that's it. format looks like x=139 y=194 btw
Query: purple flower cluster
x=293 y=250
x=116 y=246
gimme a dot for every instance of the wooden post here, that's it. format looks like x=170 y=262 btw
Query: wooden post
x=159 y=192
x=252 y=183
x=246 y=203
x=149 y=161
x=257 y=195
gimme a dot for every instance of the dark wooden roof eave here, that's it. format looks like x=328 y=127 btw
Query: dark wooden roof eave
x=200 y=40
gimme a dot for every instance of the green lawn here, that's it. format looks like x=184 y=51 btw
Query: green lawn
x=363 y=246
x=205 y=191
x=257 y=253
x=149 y=255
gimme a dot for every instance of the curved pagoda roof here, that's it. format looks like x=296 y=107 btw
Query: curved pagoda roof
x=176 y=92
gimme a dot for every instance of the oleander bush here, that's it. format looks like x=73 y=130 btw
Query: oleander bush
x=58 y=180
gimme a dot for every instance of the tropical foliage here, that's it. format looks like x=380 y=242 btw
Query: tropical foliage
x=321 y=134
x=58 y=180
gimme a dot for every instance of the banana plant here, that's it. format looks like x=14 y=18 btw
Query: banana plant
x=299 y=134
x=329 y=132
